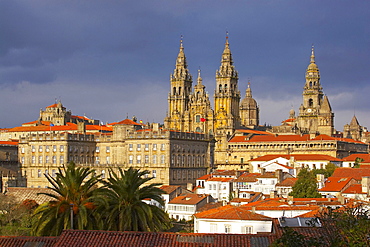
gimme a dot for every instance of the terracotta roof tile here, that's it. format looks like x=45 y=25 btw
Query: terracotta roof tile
x=353 y=157
x=336 y=183
x=231 y=213
x=354 y=189
x=289 y=182
x=168 y=189
x=191 y=199
x=85 y=238
x=7 y=241
x=356 y=173
x=21 y=194
x=8 y=143
x=297 y=157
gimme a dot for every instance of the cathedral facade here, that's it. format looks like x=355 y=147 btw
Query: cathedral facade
x=189 y=107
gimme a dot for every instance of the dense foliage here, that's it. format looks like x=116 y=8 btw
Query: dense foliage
x=305 y=187
x=79 y=203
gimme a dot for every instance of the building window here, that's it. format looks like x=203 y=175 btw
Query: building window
x=47 y=148
x=22 y=160
x=130 y=147
x=227 y=228
x=39 y=173
x=47 y=159
x=61 y=159
x=54 y=148
x=138 y=147
x=138 y=159
x=40 y=159
x=247 y=230
x=61 y=148
x=146 y=159
x=33 y=149
x=97 y=160
x=107 y=149
x=103 y=174
x=40 y=148
x=146 y=147
x=53 y=173
x=108 y=159
x=54 y=159
x=163 y=147
x=154 y=173
x=131 y=159
x=154 y=147
x=213 y=228
x=22 y=150
x=197 y=118
x=97 y=149
x=155 y=159
x=162 y=159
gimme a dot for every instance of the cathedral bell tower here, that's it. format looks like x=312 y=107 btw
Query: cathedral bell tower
x=315 y=114
x=227 y=95
x=178 y=98
x=249 y=110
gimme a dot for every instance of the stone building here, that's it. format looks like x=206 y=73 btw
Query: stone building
x=171 y=157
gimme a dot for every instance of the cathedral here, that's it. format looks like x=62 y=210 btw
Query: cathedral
x=190 y=110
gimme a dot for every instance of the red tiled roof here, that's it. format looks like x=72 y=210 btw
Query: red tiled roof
x=248 y=177
x=259 y=132
x=270 y=138
x=22 y=193
x=12 y=241
x=289 y=182
x=289 y=120
x=220 y=179
x=354 y=189
x=229 y=212
x=8 y=143
x=191 y=199
x=205 y=177
x=80 y=117
x=336 y=183
x=326 y=137
x=353 y=157
x=356 y=173
x=168 y=189
x=127 y=122
x=52 y=106
x=86 y=238
x=297 y=157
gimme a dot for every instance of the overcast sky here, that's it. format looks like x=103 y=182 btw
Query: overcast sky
x=109 y=59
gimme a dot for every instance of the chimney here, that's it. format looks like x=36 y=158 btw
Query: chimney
x=273 y=194
x=365 y=184
x=290 y=200
x=263 y=171
x=253 y=209
x=155 y=126
x=279 y=175
x=189 y=186
x=81 y=127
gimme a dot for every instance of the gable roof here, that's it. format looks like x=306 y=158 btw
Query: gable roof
x=22 y=193
x=297 y=157
x=86 y=238
x=353 y=157
x=11 y=241
x=229 y=212
x=354 y=189
x=356 y=173
x=168 y=189
x=336 y=184
x=190 y=199
x=288 y=182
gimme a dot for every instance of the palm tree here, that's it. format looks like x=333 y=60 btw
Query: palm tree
x=127 y=211
x=73 y=191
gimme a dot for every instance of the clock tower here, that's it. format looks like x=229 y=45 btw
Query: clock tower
x=315 y=114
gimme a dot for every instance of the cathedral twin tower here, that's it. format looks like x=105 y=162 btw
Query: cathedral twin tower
x=190 y=110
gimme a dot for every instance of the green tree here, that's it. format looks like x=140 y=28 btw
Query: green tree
x=305 y=187
x=357 y=162
x=125 y=193
x=291 y=238
x=73 y=194
x=328 y=171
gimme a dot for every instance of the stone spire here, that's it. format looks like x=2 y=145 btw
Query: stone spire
x=181 y=71
x=313 y=73
x=227 y=68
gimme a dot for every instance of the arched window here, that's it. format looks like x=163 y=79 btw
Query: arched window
x=197 y=118
x=174 y=90
x=310 y=102
x=179 y=90
x=198 y=129
x=220 y=88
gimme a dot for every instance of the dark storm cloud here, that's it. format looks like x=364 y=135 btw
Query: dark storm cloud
x=107 y=59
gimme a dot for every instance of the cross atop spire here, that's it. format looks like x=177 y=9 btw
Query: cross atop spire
x=312 y=54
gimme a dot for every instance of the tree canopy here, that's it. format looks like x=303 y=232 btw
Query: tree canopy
x=305 y=187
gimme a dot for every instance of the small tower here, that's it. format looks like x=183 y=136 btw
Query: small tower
x=200 y=110
x=353 y=130
x=227 y=95
x=178 y=98
x=315 y=114
x=249 y=110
